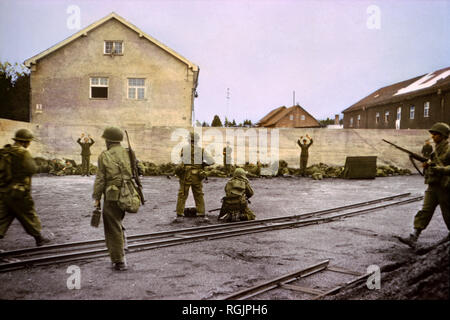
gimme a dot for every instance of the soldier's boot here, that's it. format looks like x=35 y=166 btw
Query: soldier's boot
x=203 y=218
x=120 y=266
x=411 y=240
x=41 y=240
x=178 y=219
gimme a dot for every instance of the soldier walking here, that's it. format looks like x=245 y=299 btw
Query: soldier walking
x=191 y=174
x=437 y=176
x=16 y=169
x=108 y=181
x=85 y=143
x=304 y=153
x=235 y=203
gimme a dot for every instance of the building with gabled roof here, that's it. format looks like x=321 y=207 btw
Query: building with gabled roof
x=111 y=72
x=416 y=103
x=293 y=117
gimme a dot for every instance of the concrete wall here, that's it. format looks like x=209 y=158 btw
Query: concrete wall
x=155 y=143
x=60 y=82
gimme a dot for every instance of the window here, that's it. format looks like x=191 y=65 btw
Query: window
x=386 y=116
x=99 y=88
x=358 y=120
x=351 y=122
x=377 y=117
x=291 y=117
x=426 y=109
x=136 y=88
x=113 y=47
x=399 y=113
x=302 y=117
x=411 y=112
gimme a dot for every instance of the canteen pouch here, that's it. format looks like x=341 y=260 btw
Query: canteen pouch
x=112 y=193
x=129 y=200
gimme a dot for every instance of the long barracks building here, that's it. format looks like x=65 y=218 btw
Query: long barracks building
x=416 y=103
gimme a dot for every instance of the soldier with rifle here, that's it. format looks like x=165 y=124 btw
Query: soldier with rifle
x=437 y=176
x=191 y=173
x=116 y=166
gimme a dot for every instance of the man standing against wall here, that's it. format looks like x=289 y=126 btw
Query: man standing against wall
x=85 y=143
x=304 y=153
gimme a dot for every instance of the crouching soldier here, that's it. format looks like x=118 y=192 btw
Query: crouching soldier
x=16 y=169
x=235 y=203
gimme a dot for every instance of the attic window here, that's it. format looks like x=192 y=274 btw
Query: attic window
x=113 y=47
x=302 y=117
x=291 y=117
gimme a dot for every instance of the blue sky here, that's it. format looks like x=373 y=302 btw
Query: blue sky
x=262 y=50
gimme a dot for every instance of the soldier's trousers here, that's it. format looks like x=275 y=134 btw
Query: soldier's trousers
x=197 y=191
x=114 y=235
x=303 y=164
x=434 y=195
x=85 y=162
x=20 y=207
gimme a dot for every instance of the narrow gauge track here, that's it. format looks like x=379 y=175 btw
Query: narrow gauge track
x=285 y=282
x=74 y=251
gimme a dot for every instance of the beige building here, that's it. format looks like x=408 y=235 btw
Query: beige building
x=293 y=117
x=112 y=73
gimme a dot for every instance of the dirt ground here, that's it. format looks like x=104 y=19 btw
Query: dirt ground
x=213 y=269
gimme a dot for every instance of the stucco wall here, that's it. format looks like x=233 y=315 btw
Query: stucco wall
x=61 y=82
x=156 y=144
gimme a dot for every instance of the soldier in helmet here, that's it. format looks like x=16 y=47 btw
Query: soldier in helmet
x=437 y=176
x=234 y=204
x=107 y=184
x=16 y=171
x=191 y=174
x=86 y=144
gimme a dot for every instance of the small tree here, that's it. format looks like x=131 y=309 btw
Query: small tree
x=216 y=122
x=14 y=91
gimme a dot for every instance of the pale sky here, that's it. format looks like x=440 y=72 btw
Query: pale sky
x=331 y=53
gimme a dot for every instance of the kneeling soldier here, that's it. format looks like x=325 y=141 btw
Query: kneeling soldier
x=234 y=204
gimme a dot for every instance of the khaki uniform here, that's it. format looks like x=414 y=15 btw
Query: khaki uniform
x=304 y=155
x=191 y=176
x=113 y=167
x=85 y=155
x=438 y=191
x=234 y=204
x=15 y=198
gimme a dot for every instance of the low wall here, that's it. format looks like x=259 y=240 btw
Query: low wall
x=160 y=144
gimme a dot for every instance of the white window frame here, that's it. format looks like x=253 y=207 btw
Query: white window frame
x=426 y=109
x=136 y=89
x=386 y=116
x=377 y=117
x=412 y=111
x=302 y=117
x=291 y=117
x=399 y=113
x=358 y=120
x=99 y=84
x=351 y=122
x=113 y=47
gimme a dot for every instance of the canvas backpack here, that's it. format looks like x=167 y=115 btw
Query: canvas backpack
x=5 y=168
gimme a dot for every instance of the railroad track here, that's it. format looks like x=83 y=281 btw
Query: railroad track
x=294 y=282
x=75 y=251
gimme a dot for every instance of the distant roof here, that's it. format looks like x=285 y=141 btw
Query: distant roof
x=417 y=86
x=279 y=113
x=89 y=28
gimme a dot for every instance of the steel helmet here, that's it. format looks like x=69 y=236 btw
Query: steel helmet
x=441 y=128
x=239 y=172
x=23 y=135
x=112 y=134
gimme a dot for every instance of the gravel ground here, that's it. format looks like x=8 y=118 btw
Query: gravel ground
x=213 y=269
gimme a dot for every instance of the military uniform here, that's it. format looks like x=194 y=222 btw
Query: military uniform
x=55 y=166
x=427 y=149
x=191 y=174
x=15 y=194
x=85 y=155
x=234 y=204
x=113 y=167
x=304 y=155
x=437 y=176
x=227 y=152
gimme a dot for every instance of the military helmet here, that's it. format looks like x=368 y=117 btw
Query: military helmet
x=23 y=135
x=441 y=128
x=239 y=172
x=112 y=134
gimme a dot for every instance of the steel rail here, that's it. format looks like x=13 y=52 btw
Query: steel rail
x=182 y=238
x=100 y=242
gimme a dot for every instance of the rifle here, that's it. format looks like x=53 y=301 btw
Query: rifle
x=412 y=156
x=134 y=170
